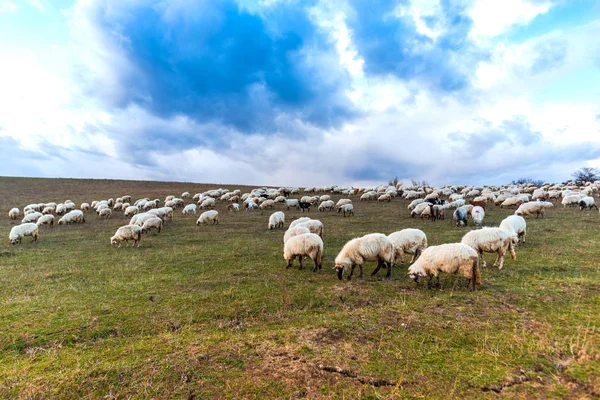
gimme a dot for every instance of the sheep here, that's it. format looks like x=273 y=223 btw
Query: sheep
x=314 y=226
x=371 y=247
x=84 y=207
x=456 y=203
x=118 y=206
x=410 y=241
x=295 y=231
x=207 y=203
x=251 y=205
x=208 y=216
x=342 y=202
x=515 y=224
x=347 y=208
x=326 y=205
x=267 y=204
x=152 y=223
x=385 y=197
x=27 y=229
x=451 y=258
x=276 y=220
x=139 y=219
x=304 y=205
x=535 y=207
x=492 y=240
x=72 y=217
x=189 y=209
x=414 y=203
x=185 y=195
x=304 y=245
x=587 y=202
x=48 y=210
x=478 y=203
x=233 y=207
x=105 y=213
x=477 y=213
x=419 y=209
x=126 y=199
x=279 y=200
x=127 y=233
x=14 y=213
x=571 y=200
x=460 y=216
x=131 y=210
x=510 y=202
x=299 y=221
x=47 y=219
x=437 y=212
x=101 y=207
x=33 y=217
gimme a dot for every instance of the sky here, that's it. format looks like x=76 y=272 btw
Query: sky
x=300 y=93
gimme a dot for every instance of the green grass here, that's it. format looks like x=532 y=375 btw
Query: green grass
x=211 y=311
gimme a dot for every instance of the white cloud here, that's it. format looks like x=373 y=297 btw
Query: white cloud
x=8 y=6
x=426 y=15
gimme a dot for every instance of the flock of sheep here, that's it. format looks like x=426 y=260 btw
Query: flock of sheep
x=303 y=237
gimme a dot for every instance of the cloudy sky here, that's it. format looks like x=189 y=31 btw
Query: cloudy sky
x=285 y=92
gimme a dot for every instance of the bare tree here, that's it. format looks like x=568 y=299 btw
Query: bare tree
x=586 y=174
x=525 y=181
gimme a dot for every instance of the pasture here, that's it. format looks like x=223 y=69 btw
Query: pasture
x=211 y=312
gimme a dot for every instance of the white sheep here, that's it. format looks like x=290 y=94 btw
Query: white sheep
x=587 y=202
x=131 y=210
x=207 y=203
x=419 y=208
x=48 y=210
x=515 y=224
x=267 y=204
x=346 y=208
x=250 y=205
x=276 y=220
x=326 y=205
x=342 y=202
x=295 y=231
x=299 y=221
x=33 y=217
x=14 y=213
x=409 y=241
x=84 y=207
x=511 y=202
x=185 y=195
x=72 y=217
x=105 y=213
x=47 y=219
x=189 y=209
x=208 y=216
x=314 y=226
x=535 y=207
x=127 y=233
x=371 y=247
x=492 y=240
x=233 y=207
x=304 y=245
x=451 y=258
x=385 y=197
x=17 y=233
x=416 y=202
x=152 y=223
x=139 y=219
x=571 y=200
x=477 y=213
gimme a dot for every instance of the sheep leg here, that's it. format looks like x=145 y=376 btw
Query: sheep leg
x=300 y=259
x=437 y=283
x=482 y=259
x=429 y=282
x=361 y=271
x=513 y=254
x=351 y=271
x=378 y=267
x=500 y=258
x=316 y=265
x=290 y=261
x=389 y=269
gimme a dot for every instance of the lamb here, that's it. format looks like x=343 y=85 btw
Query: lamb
x=233 y=207
x=477 y=213
x=492 y=240
x=47 y=219
x=326 y=205
x=127 y=233
x=152 y=223
x=17 y=233
x=189 y=209
x=304 y=245
x=451 y=258
x=295 y=231
x=118 y=206
x=267 y=204
x=587 y=202
x=105 y=213
x=131 y=210
x=72 y=217
x=276 y=220
x=208 y=216
x=14 y=213
x=33 y=217
x=515 y=224
x=410 y=241
x=347 y=208
x=299 y=221
x=371 y=247
x=535 y=207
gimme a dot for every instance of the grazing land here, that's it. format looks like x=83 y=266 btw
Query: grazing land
x=211 y=312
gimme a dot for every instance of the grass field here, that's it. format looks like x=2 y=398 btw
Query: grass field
x=211 y=311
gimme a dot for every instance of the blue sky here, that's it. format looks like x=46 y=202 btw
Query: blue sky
x=286 y=92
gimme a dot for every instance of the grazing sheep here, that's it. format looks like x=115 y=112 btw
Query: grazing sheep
x=415 y=203
x=189 y=209
x=410 y=241
x=478 y=203
x=48 y=210
x=460 y=216
x=17 y=233
x=326 y=205
x=492 y=240
x=385 y=197
x=118 y=206
x=250 y=205
x=276 y=220
x=47 y=219
x=72 y=217
x=371 y=247
x=535 y=207
x=437 y=212
x=571 y=200
x=185 y=195
x=304 y=205
x=511 y=202
x=304 y=245
x=131 y=210
x=587 y=203
x=295 y=231
x=515 y=224
x=33 y=217
x=139 y=219
x=419 y=208
x=208 y=216
x=267 y=204
x=14 y=213
x=105 y=213
x=279 y=200
x=233 y=207
x=299 y=221
x=127 y=233
x=84 y=207
x=342 y=202
x=152 y=223
x=289 y=203
x=347 y=208
x=477 y=213
x=451 y=258
x=314 y=226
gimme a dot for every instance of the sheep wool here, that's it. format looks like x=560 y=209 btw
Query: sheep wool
x=127 y=233
x=276 y=220
x=409 y=241
x=492 y=240
x=371 y=247
x=304 y=245
x=17 y=233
